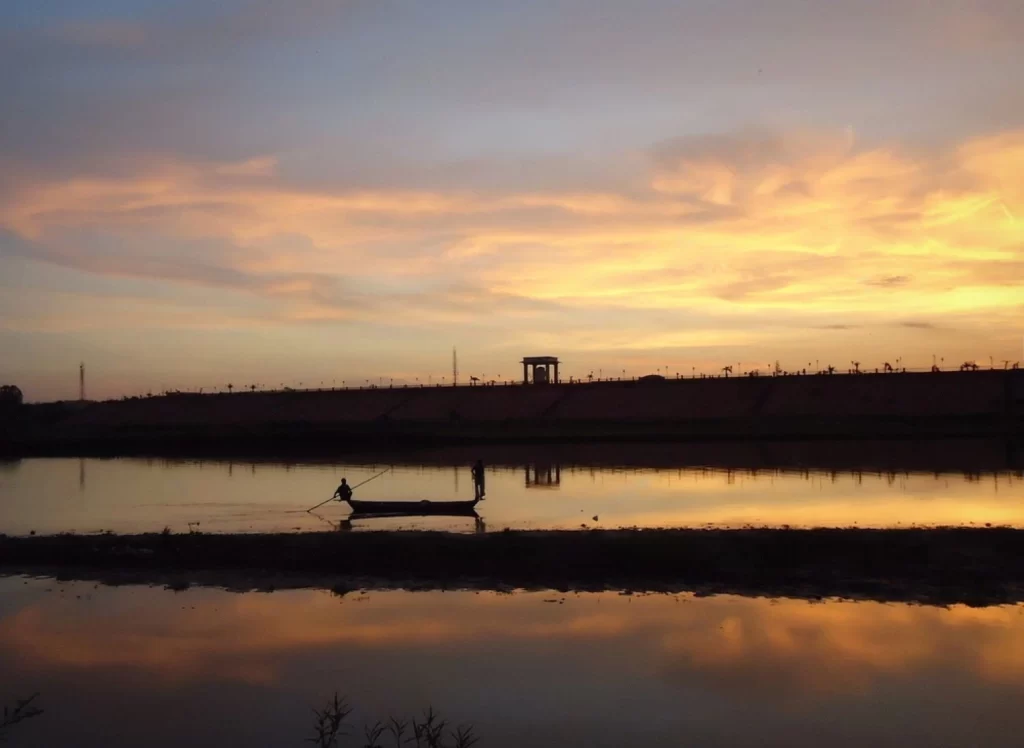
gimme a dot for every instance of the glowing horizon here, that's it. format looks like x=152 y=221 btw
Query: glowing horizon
x=332 y=194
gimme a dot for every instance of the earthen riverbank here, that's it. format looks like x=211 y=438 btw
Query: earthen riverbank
x=947 y=405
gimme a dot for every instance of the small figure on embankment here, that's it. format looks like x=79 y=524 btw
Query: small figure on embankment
x=479 y=489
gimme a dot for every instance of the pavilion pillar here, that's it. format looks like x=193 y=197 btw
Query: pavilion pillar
x=541 y=370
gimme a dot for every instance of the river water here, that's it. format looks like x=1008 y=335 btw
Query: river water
x=136 y=665
x=139 y=495
x=146 y=666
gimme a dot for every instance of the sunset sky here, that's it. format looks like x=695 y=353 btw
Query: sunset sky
x=196 y=193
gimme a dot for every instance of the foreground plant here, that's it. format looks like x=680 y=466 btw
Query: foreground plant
x=23 y=709
x=429 y=732
x=327 y=725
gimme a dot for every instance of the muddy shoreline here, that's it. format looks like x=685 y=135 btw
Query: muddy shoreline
x=942 y=566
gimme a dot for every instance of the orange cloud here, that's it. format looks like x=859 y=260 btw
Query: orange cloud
x=764 y=234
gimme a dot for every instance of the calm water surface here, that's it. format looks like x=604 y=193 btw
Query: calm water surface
x=129 y=495
x=144 y=666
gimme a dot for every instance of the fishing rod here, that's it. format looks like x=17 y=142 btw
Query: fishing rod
x=352 y=487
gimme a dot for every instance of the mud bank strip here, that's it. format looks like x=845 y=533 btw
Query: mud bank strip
x=932 y=566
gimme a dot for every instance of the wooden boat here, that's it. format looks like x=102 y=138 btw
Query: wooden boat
x=422 y=508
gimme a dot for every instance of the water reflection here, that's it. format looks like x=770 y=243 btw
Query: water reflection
x=590 y=669
x=543 y=476
x=132 y=495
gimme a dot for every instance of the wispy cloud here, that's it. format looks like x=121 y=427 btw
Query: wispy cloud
x=889 y=282
x=718 y=226
x=115 y=34
x=506 y=180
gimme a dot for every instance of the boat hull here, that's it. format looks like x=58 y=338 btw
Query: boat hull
x=413 y=508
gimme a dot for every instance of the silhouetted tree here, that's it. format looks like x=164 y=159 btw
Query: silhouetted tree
x=10 y=395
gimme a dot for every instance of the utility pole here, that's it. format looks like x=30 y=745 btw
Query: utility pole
x=81 y=381
x=455 y=367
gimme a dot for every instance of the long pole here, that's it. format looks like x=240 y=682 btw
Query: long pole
x=353 y=488
x=320 y=504
x=357 y=485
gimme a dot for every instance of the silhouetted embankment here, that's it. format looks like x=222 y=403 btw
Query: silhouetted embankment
x=943 y=566
x=946 y=405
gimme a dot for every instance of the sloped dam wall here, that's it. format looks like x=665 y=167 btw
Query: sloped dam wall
x=987 y=403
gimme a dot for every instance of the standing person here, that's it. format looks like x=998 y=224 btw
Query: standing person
x=478 y=480
x=344 y=492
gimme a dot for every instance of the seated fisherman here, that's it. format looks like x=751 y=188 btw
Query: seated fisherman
x=344 y=492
